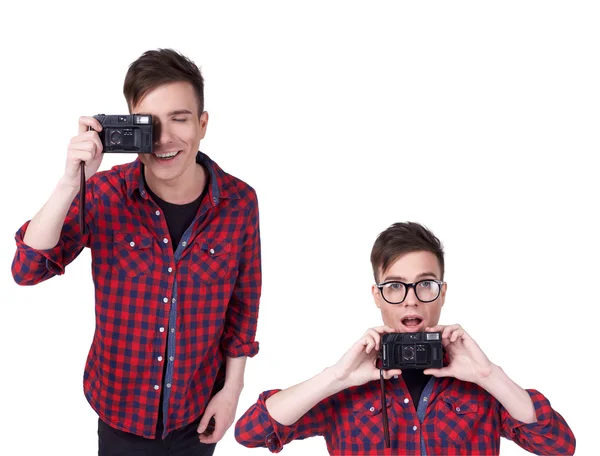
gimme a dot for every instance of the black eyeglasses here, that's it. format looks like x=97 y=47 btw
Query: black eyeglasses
x=394 y=292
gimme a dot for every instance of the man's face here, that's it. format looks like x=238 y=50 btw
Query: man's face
x=411 y=315
x=178 y=130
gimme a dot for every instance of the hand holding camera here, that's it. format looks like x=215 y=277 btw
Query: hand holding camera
x=85 y=147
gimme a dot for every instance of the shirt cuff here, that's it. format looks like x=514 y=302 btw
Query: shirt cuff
x=233 y=348
x=52 y=258
x=274 y=441
x=543 y=413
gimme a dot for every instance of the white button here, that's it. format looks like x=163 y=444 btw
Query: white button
x=157 y=212
x=165 y=300
x=165 y=240
x=395 y=376
x=132 y=244
x=143 y=193
x=155 y=387
x=160 y=358
x=171 y=358
x=415 y=428
x=406 y=400
x=372 y=409
x=168 y=385
x=161 y=329
x=170 y=269
x=425 y=399
x=458 y=409
x=184 y=243
x=173 y=300
x=172 y=330
x=212 y=251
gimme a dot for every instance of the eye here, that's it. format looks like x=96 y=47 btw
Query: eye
x=426 y=284
x=395 y=286
x=179 y=120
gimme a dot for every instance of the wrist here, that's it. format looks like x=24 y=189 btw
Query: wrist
x=233 y=387
x=334 y=380
x=66 y=185
x=491 y=376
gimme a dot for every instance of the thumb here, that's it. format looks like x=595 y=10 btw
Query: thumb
x=443 y=372
x=204 y=421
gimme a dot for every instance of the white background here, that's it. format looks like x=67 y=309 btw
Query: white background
x=478 y=120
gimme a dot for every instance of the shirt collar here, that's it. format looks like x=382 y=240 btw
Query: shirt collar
x=222 y=185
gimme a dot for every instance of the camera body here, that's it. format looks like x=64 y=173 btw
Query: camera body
x=420 y=350
x=126 y=133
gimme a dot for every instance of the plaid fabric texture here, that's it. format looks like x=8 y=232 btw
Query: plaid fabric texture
x=202 y=300
x=461 y=419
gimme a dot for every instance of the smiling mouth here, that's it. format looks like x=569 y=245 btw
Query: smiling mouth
x=166 y=155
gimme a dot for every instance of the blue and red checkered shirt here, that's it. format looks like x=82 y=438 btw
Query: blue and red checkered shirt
x=452 y=418
x=199 y=302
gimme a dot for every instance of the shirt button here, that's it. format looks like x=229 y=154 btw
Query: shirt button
x=165 y=299
x=132 y=244
x=160 y=358
x=458 y=409
x=212 y=251
x=173 y=300
x=184 y=243
x=395 y=376
x=168 y=385
x=161 y=329
x=165 y=240
x=425 y=399
x=143 y=193
x=157 y=212
x=170 y=269
x=215 y=199
x=172 y=330
x=372 y=409
x=156 y=387
x=415 y=428
x=171 y=358
x=406 y=400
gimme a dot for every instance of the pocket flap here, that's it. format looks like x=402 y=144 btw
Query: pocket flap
x=214 y=247
x=132 y=241
x=461 y=406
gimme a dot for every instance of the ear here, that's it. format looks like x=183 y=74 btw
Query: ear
x=376 y=295
x=443 y=293
x=203 y=122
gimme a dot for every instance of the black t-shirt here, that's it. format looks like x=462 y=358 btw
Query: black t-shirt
x=415 y=380
x=179 y=217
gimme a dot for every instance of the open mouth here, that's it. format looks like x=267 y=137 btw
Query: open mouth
x=412 y=321
x=166 y=155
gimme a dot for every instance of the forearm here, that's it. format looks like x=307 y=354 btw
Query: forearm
x=234 y=373
x=513 y=398
x=45 y=227
x=289 y=405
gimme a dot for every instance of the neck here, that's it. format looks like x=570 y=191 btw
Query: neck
x=181 y=190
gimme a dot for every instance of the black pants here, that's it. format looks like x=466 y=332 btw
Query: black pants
x=180 y=442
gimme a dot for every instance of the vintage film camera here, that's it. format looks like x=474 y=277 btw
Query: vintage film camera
x=126 y=133
x=421 y=350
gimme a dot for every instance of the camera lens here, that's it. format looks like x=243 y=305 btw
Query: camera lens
x=408 y=353
x=115 y=137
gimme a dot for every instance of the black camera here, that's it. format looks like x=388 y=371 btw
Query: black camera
x=420 y=350
x=127 y=133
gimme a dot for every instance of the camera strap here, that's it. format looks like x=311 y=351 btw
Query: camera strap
x=82 y=197
x=386 y=427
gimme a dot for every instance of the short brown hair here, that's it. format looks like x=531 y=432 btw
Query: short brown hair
x=158 y=67
x=401 y=238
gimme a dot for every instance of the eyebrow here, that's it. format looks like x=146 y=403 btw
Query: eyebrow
x=403 y=279
x=179 y=111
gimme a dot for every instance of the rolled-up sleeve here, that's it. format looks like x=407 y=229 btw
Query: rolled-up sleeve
x=549 y=435
x=242 y=312
x=31 y=266
x=256 y=428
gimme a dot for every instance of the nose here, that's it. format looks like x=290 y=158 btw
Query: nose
x=411 y=297
x=161 y=134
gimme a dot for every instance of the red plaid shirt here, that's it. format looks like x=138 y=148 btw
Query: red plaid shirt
x=199 y=302
x=452 y=418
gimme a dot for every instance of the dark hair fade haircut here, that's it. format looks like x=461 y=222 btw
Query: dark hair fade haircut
x=157 y=67
x=401 y=238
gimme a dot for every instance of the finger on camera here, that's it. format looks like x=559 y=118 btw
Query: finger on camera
x=80 y=155
x=387 y=374
x=449 y=329
x=375 y=336
x=87 y=122
x=85 y=146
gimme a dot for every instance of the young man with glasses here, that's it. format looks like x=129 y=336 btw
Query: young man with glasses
x=462 y=408
x=176 y=265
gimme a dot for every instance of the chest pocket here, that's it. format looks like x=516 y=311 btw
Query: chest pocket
x=210 y=259
x=367 y=432
x=455 y=419
x=133 y=252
